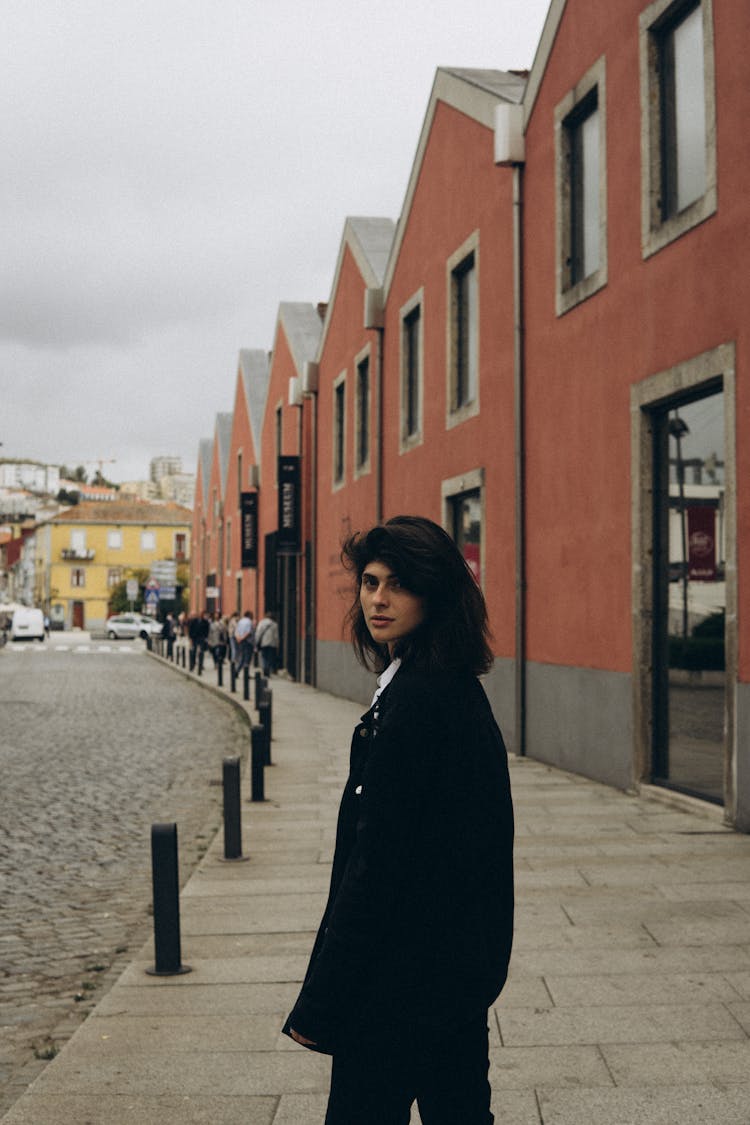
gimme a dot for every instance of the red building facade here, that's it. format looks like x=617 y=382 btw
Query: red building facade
x=546 y=355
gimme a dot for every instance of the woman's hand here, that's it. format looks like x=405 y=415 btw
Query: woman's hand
x=301 y=1039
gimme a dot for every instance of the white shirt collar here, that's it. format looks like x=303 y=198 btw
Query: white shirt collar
x=385 y=677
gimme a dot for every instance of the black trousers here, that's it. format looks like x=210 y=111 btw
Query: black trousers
x=377 y=1078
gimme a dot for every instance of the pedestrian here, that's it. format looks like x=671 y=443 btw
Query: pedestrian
x=244 y=639
x=267 y=643
x=194 y=629
x=231 y=627
x=168 y=632
x=217 y=638
x=415 y=940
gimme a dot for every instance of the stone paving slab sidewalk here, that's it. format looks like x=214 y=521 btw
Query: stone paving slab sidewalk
x=628 y=1000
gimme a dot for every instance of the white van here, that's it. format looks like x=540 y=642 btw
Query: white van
x=27 y=623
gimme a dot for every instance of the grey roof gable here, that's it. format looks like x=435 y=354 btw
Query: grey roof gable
x=255 y=372
x=224 y=440
x=374 y=238
x=205 y=455
x=500 y=83
x=302 y=328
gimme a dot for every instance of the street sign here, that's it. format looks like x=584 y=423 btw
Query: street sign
x=131 y=589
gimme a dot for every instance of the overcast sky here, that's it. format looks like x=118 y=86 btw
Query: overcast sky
x=171 y=171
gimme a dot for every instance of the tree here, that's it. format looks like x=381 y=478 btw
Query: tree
x=119 y=601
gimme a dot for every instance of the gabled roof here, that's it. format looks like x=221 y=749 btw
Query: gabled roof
x=223 y=433
x=302 y=328
x=472 y=92
x=125 y=512
x=541 y=58
x=205 y=456
x=370 y=241
x=255 y=372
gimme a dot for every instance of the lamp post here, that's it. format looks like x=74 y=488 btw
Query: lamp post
x=678 y=429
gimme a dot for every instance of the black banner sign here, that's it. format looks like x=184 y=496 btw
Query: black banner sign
x=249 y=517
x=289 y=541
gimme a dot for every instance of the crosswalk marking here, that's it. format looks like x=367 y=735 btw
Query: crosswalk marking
x=82 y=649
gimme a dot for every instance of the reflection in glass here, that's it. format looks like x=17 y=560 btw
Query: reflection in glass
x=689 y=657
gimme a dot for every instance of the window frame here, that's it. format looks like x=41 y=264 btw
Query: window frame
x=338 y=433
x=362 y=464
x=412 y=311
x=570 y=113
x=451 y=490
x=114 y=539
x=655 y=23
x=463 y=261
x=144 y=533
x=78 y=578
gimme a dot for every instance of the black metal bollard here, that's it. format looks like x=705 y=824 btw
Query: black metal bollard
x=166 y=901
x=232 y=677
x=246 y=683
x=201 y=658
x=265 y=708
x=258 y=686
x=232 y=819
x=257 y=763
x=220 y=673
x=192 y=657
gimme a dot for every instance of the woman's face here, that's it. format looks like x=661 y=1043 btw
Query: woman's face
x=391 y=612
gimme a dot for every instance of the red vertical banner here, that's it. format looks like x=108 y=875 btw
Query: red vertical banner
x=701 y=528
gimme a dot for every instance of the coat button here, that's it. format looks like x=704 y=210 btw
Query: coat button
x=358 y=790
x=363 y=732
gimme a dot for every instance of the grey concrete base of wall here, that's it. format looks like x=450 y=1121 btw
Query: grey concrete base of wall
x=340 y=674
x=500 y=685
x=742 y=776
x=580 y=719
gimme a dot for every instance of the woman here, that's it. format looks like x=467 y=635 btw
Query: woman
x=415 y=940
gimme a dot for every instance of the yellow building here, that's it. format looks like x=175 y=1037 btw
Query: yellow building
x=83 y=552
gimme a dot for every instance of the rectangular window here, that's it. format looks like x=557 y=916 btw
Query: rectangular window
x=239 y=473
x=229 y=546
x=466 y=519
x=77 y=576
x=114 y=540
x=114 y=576
x=180 y=546
x=78 y=541
x=411 y=373
x=148 y=540
x=683 y=124
x=339 y=432
x=363 y=414
x=678 y=119
x=463 y=332
x=581 y=189
x=583 y=143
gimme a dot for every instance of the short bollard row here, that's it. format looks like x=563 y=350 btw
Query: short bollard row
x=164 y=857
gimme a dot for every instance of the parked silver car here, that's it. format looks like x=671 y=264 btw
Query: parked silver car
x=125 y=626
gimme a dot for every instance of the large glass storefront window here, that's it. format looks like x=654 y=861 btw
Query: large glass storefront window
x=689 y=621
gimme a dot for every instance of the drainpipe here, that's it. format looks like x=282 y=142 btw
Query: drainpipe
x=520 y=481
x=310 y=392
x=374 y=319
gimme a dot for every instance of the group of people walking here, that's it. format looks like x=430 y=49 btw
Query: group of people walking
x=236 y=636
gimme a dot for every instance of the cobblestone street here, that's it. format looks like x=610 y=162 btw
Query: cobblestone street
x=97 y=743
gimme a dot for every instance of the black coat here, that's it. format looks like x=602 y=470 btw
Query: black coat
x=419 y=923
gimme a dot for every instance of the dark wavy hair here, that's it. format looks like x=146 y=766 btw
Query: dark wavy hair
x=455 y=633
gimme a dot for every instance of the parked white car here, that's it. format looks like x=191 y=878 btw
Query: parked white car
x=27 y=624
x=125 y=626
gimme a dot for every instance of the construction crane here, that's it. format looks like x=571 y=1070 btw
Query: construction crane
x=99 y=461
